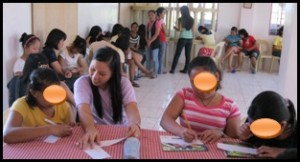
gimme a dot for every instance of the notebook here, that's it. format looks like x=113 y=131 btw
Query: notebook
x=175 y=143
x=241 y=149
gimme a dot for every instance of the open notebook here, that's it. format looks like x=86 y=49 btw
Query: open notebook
x=175 y=143
x=241 y=149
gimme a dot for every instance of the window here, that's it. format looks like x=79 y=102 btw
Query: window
x=277 y=18
x=203 y=13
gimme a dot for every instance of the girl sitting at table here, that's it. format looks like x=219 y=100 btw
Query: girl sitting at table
x=26 y=120
x=105 y=97
x=269 y=104
x=208 y=115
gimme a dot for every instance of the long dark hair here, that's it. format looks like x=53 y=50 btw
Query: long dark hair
x=112 y=58
x=40 y=79
x=116 y=29
x=54 y=37
x=142 y=33
x=186 y=20
x=207 y=64
x=94 y=32
x=244 y=33
x=79 y=43
x=269 y=104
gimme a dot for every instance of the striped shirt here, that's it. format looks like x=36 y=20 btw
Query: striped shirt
x=134 y=41
x=211 y=117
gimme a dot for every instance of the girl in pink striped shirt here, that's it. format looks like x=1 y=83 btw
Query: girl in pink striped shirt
x=210 y=115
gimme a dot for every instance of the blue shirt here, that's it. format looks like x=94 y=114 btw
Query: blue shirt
x=233 y=40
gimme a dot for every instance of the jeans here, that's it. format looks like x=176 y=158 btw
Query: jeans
x=154 y=54
x=162 y=56
x=187 y=44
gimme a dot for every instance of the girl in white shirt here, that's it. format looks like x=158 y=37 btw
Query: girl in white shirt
x=71 y=58
x=31 y=44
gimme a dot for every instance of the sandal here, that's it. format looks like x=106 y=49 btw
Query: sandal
x=134 y=84
x=150 y=75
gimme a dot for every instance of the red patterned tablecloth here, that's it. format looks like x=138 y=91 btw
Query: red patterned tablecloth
x=65 y=148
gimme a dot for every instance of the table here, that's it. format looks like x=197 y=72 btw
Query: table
x=65 y=148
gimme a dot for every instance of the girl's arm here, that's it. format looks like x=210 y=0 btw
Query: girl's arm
x=134 y=118
x=168 y=120
x=232 y=126
x=14 y=132
x=82 y=65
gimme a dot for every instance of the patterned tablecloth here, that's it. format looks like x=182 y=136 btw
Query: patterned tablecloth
x=65 y=148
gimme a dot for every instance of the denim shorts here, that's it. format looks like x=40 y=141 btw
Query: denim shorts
x=250 y=54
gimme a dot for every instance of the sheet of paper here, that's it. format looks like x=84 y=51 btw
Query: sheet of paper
x=97 y=153
x=111 y=142
x=241 y=149
x=178 y=140
x=51 y=139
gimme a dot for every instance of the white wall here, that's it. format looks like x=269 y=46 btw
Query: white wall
x=16 y=20
x=228 y=16
x=288 y=62
x=125 y=14
x=103 y=14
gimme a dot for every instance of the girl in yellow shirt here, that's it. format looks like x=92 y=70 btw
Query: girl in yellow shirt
x=277 y=43
x=26 y=120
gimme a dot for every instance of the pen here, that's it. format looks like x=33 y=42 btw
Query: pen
x=186 y=121
x=49 y=121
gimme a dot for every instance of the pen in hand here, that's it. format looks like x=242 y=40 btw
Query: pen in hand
x=49 y=122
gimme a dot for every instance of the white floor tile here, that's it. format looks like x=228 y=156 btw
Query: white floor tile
x=154 y=94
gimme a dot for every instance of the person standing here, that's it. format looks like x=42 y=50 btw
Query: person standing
x=160 y=13
x=185 y=26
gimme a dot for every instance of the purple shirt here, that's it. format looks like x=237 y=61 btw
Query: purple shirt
x=83 y=94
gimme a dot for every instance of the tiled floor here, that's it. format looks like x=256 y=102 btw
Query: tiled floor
x=154 y=94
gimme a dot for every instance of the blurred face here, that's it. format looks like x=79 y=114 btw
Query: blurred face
x=198 y=93
x=233 y=33
x=162 y=15
x=41 y=102
x=134 y=28
x=242 y=36
x=100 y=73
x=151 y=16
x=33 y=48
x=60 y=44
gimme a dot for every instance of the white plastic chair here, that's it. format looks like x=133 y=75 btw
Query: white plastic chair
x=217 y=53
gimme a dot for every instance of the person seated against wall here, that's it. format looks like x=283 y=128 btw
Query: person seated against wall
x=277 y=43
x=26 y=119
x=71 y=59
x=94 y=33
x=249 y=48
x=207 y=115
x=53 y=45
x=18 y=85
x=208 y=39
x=232 y=46
x=143 y=43
x=30 y=44
x=132 y=58
x=269 y=104
x=105 y=97
x=116 y=31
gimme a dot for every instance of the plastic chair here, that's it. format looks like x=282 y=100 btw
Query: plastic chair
x=217 y=53
x=273 y=59
x=265 y=51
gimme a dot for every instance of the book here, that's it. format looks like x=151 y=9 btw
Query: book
x=175 y=143
x=241 y=149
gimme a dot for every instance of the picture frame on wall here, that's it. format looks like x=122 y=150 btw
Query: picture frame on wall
x=247 y=5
